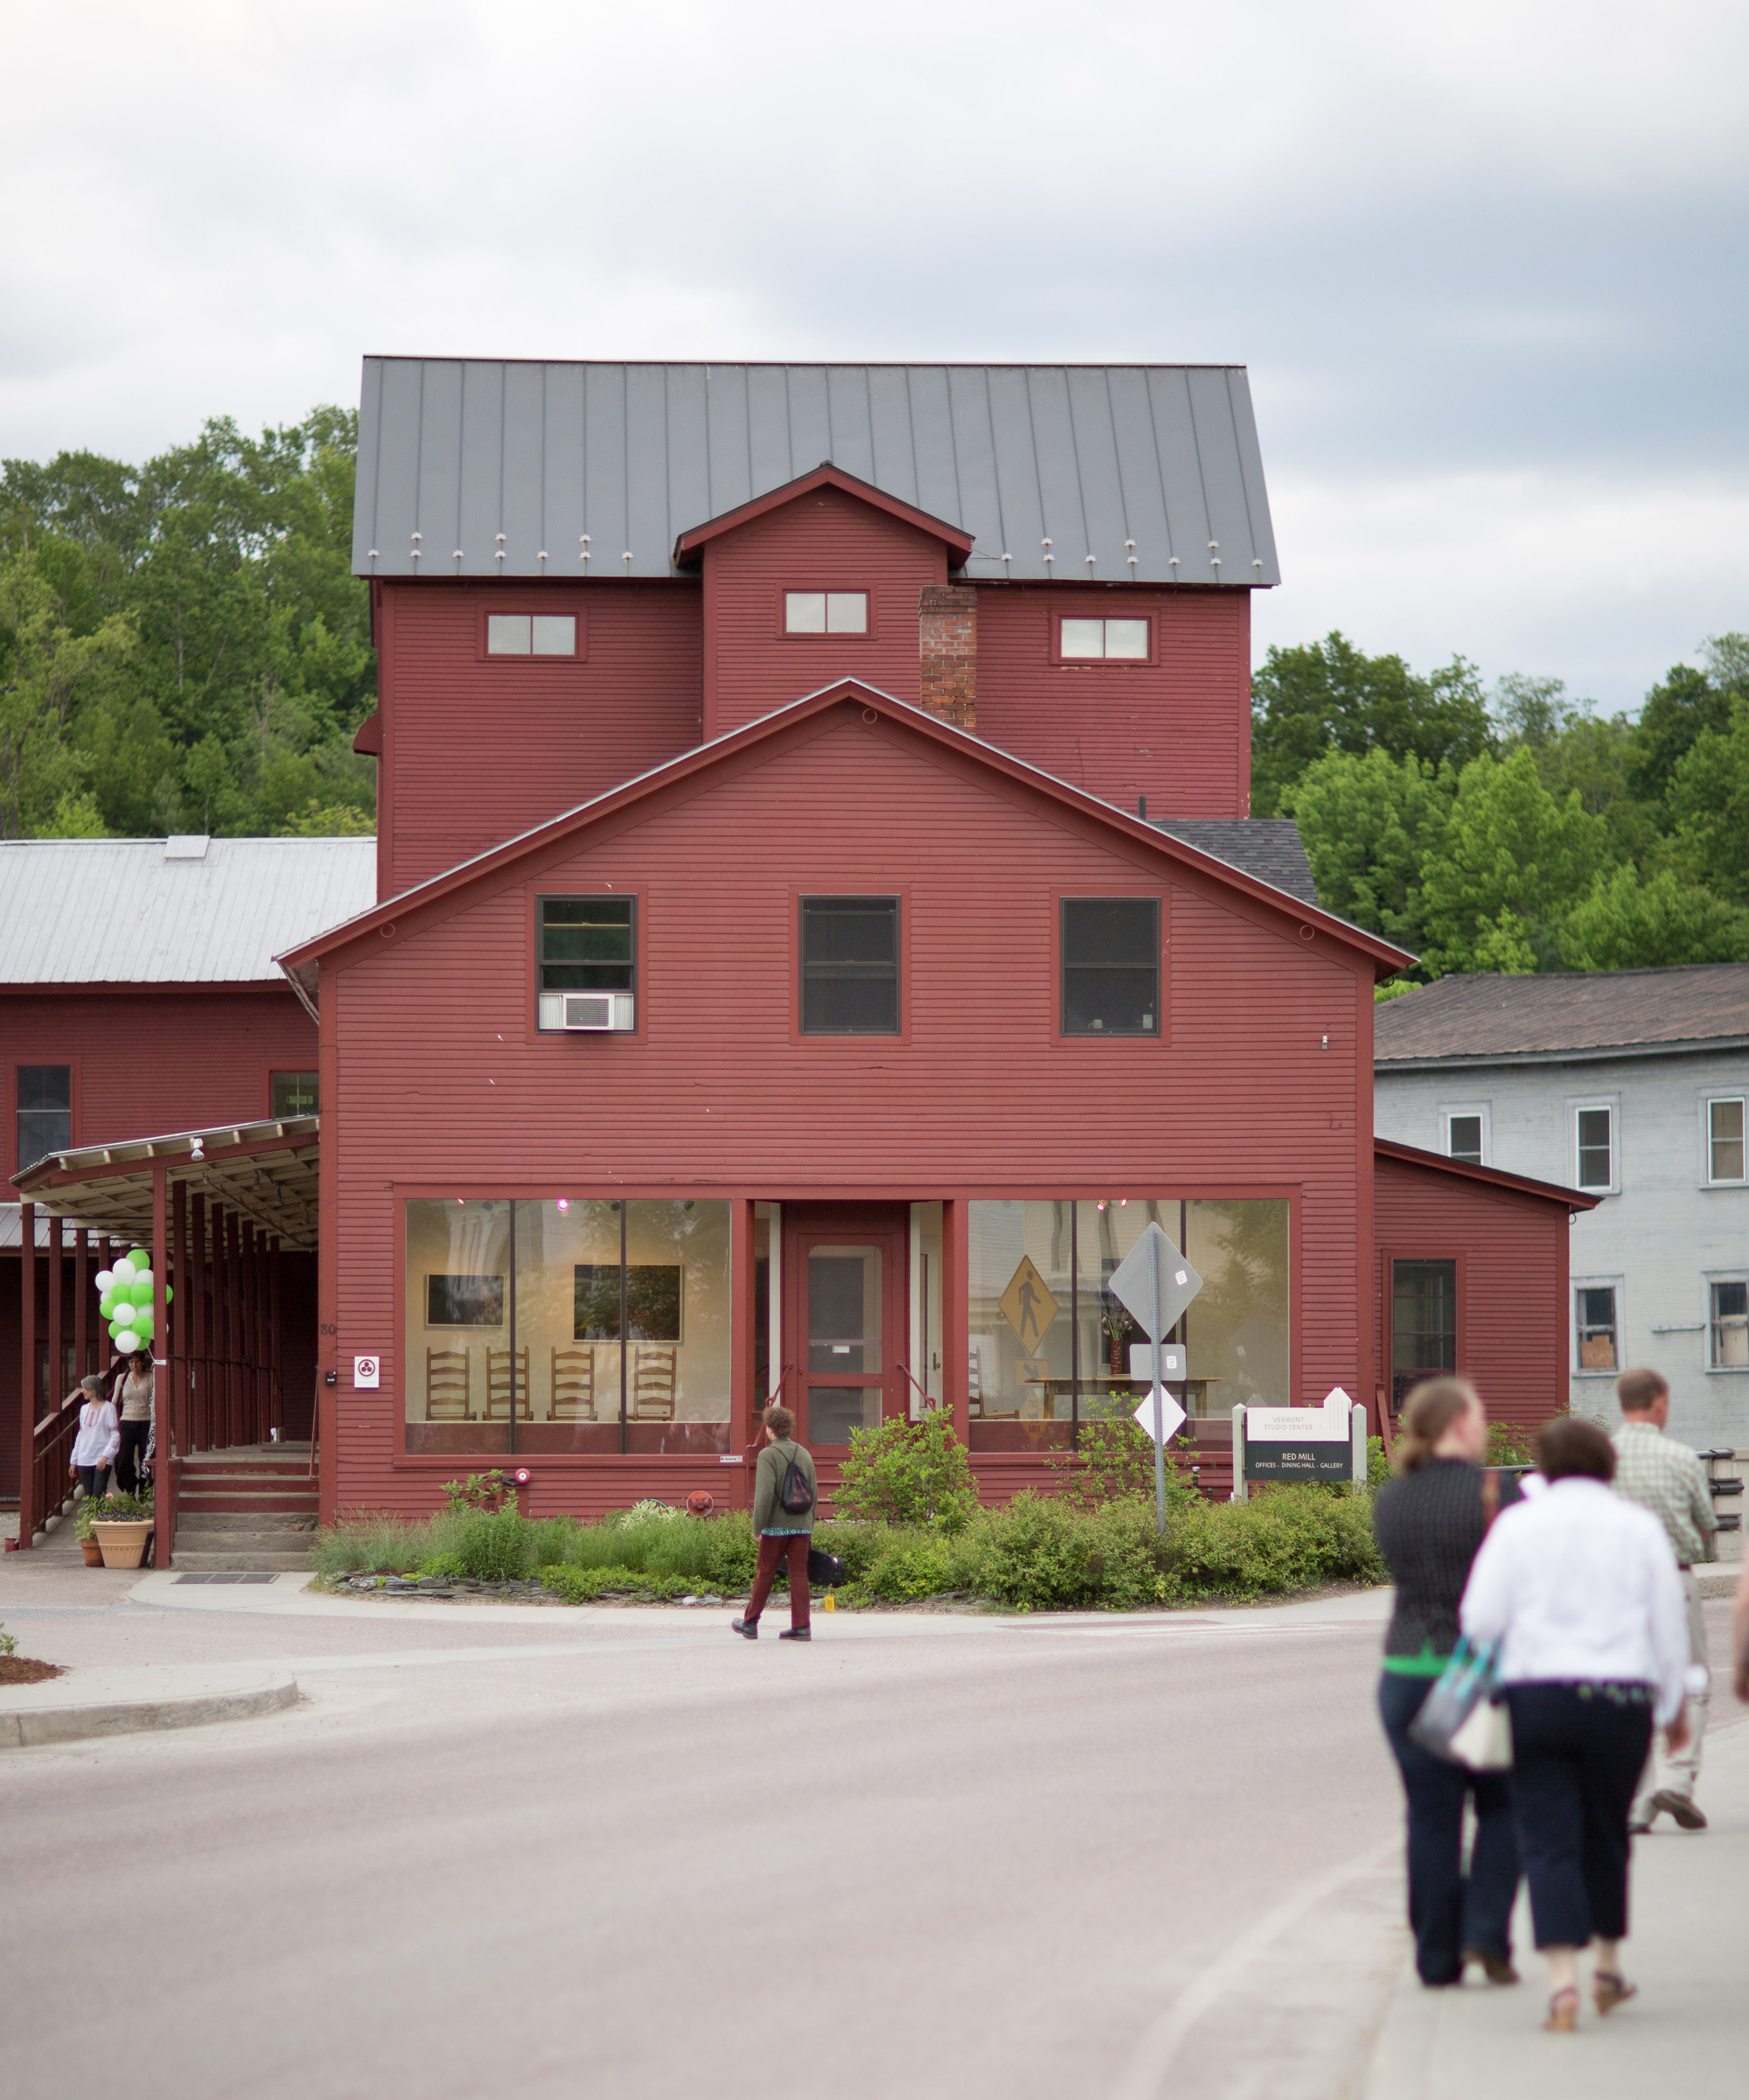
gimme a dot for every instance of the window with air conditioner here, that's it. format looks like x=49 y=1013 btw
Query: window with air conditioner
x=588 y=965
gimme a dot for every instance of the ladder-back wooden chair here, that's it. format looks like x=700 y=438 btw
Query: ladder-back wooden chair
x=574 y=1384
x=653 y=1369
x=447 y=1395
x=498 y=1386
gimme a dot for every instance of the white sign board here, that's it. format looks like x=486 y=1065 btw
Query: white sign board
x=1171 y=1415
x=1141 y=1361
x=366 y=1373
x=1154 y=1283
x=1325 y=1424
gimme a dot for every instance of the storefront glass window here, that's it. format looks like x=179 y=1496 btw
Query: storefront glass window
x=1051 y=1349
x=610 y=1323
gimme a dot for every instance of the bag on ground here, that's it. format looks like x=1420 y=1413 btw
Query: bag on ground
x=826 y=1571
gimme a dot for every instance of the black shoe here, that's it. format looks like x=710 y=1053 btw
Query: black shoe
x=748 y=1631
x=796 y=1633
x=1497 y=1968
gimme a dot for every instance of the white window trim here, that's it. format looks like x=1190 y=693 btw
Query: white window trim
x=1707 y=1179
x=1576 y=1103
x=1598 y=1283
x=1710 y=1277
x=1448 y=1109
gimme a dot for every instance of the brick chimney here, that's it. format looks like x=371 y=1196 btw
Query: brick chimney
x=947 y=648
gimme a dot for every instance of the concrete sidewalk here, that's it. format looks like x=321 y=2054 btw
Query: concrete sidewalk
x=1686 y=2033
x=80 y=1704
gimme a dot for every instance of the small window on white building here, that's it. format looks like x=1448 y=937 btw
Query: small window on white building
x=1724 y=1151
x=1728 y=1322
x=1596 y=1327
x=1464 y=1129
x=530 y=634
x=1105 y=641
x=1594 y=1144
x=826 y=612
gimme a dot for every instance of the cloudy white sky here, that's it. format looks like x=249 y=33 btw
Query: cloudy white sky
x=1486 y=264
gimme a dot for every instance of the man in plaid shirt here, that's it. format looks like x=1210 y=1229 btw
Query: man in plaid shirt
x=1668 y=1479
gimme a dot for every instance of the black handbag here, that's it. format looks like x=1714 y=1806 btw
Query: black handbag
x=826 y=1570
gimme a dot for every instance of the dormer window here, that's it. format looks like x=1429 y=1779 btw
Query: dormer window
x=1103 y=641
x=530 y=634
x=826 y=612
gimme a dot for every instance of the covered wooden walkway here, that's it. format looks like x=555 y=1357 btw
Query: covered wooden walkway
x=217 y=1208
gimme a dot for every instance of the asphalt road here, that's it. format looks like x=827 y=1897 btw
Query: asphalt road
x=624 y=1853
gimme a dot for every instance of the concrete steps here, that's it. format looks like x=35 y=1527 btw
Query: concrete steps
x=244 y=1514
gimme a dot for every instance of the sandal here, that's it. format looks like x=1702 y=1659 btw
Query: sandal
x=1563 y=2011
x=1611 y=1990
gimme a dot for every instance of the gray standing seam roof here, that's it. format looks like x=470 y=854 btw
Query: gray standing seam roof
x=1116 y=473
x=192 y=910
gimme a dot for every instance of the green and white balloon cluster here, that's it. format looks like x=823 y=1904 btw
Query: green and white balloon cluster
x=125 y=1301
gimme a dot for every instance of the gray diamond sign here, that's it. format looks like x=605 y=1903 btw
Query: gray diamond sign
x=1154 y=1283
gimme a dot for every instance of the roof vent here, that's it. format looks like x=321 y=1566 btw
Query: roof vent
x=186 y=845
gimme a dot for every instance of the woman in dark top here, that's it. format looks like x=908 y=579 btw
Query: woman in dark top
x=1430 y=1521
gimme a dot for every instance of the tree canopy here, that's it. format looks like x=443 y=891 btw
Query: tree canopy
x=183 y=646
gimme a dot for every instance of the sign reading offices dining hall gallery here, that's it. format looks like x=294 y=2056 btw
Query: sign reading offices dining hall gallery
x=1303 y=1443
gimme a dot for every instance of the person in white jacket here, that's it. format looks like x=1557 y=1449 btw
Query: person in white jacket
x=98 y=1441
x=1579 y=1588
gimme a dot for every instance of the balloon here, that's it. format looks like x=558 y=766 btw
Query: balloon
x=103 y=1279
x=126 y=1341
x=138 y=1293
x=122 y=1272
x=138 y=1256
x=105 y=1305
x=143 y=1323
x=143 y=1275
x=170 y=1292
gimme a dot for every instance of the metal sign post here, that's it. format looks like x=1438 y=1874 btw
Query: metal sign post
x=1154 y=1283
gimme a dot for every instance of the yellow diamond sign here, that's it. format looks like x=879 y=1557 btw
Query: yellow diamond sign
x=1027 y=1307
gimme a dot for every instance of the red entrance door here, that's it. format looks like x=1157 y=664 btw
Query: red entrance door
x=845 y=1317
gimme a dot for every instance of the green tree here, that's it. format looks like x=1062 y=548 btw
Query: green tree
x=1325 y=697
x=45 y=671
x=1631 y=922
x=1512 y=860
x=1369 y=826
x=1689 y=704
x=1709 y=799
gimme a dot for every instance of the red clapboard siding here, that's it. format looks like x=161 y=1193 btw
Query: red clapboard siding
x=1511 y=1250
x=715 y=1094
x=826 y=540
x=476 y=751
x=1177 y=730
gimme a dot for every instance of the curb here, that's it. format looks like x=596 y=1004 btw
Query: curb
x=59 y=1714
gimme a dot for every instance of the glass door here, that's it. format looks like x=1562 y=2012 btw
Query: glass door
x=844 y=1278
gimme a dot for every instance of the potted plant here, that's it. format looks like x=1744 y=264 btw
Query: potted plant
x=83 y=1518
x=121 y=1524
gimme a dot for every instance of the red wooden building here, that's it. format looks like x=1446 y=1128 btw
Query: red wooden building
x=819 y=924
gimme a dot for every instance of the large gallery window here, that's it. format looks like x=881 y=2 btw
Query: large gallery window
x=573 y=1324
x=1052 y=1349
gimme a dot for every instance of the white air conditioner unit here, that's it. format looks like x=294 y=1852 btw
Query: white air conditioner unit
x=595 y=1013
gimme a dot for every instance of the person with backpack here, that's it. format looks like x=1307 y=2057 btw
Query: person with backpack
x=784 y=1496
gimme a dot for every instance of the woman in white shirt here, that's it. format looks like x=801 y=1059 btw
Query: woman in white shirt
x=1580 y=1589
x=99 y=1439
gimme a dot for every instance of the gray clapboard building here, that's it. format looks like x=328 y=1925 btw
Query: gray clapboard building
x=1631 y=1085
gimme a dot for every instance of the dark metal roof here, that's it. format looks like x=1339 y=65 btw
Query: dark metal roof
x=496 y=467
x=1269 y=847
x=1549 y=1018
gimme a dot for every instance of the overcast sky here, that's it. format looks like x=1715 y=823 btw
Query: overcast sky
x=1486 y=264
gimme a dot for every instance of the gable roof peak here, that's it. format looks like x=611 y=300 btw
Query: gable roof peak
x=690 y=546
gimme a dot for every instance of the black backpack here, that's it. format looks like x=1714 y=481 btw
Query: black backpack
x=796 y=1496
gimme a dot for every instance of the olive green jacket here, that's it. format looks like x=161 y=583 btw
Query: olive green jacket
x=768 y=1514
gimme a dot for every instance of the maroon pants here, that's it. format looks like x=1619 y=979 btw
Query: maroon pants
x=772 y=1553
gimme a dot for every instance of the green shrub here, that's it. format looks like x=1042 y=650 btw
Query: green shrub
x=1509 y=1446
x=494 y=1548
x=908 y=1472
x=1286 y=1539
x=1378 y=1466
x=585 y=1585
x=374 y=1544
x=8 y=1644
x=710 y=1552
x=1114 y=1459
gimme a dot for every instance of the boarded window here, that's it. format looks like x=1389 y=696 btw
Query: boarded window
x=1598 y=1337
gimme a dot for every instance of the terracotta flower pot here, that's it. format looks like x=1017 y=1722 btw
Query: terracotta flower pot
x=93 y=1551
x=123 y=1543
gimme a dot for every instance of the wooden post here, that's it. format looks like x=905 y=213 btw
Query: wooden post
x=81 y=1303
x=955 y=1338
x=275 y=1363
x=27 y=1382
x=176 y=1315
x=216 y=1342
x=200 y=1366
x=742 y=1399
x=164 y=1466
x=57 y=1314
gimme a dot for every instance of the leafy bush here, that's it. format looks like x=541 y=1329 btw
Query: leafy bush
x=908 y=1472
x=8 y=1644
x=493 y=1548
x=1378 y=1466
x=1289 y=1538
x=1509 y=1446
x=585 y=1585
x=1115 y=1460
x=489 y=1491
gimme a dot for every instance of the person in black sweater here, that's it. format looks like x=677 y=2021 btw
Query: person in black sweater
x=1430 y=1521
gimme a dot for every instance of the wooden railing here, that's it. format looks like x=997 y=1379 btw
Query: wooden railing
x=50 y=1456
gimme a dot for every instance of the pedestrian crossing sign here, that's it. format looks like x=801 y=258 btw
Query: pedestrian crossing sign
x=1027 y=1307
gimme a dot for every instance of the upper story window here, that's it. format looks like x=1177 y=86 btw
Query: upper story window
x=850 y=965
x=1724 y=1151
x=1465 y=1134
x=1594 y=1146
x=587 y=970
x=44 y=1112
x=826 y=612
x=294 y=1094
x=1728 y=1324
x=530 y=634
x=1596 y=1327
x=1103 y=641
x=1110 y=965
